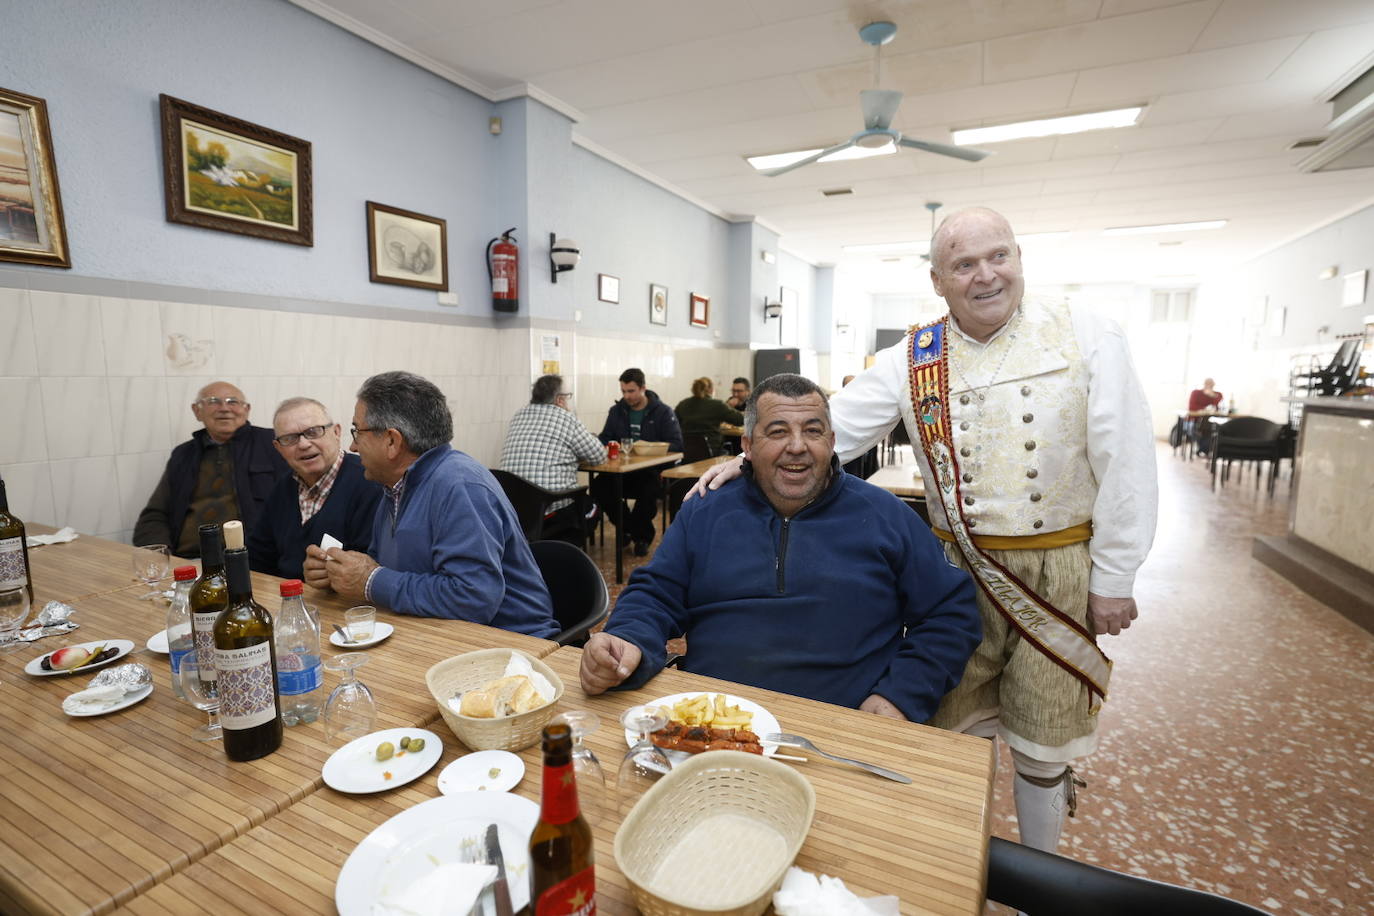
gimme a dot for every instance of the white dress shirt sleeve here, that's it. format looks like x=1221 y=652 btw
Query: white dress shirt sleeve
x=866 y=410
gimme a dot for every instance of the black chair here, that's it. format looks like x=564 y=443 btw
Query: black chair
x=695 y=448
x=1043 y=884
x=580 y=599
x=1246 y=439
x=531 y=504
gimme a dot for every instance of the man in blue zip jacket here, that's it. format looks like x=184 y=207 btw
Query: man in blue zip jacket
x=639 y=414
x=801 y=579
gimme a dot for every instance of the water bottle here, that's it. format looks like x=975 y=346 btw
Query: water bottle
x=179 y=640
x=300 y=677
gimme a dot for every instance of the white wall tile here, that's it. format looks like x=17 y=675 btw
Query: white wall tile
x=29 y=488
x=67 y=333
x=17 y=354
x=188 y=339
x=132 y=330
x=320 y=341
x=78 y=417
x=138 y=476
x=250 y=342
x=181 y=392
x=86 y=494
x=139 y=414
x=25 y=435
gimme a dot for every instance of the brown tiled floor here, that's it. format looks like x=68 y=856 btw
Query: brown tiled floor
x=1236 y=752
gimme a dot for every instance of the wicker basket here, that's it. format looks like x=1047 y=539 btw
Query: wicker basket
x=715 y=836
x=471 y=670
x=646 y=449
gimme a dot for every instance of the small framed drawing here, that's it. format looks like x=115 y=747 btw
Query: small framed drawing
x=658 y=304
x=231 y=175
x=32 y=230
x=406 y=248
x=700 y=313
x=608 y=288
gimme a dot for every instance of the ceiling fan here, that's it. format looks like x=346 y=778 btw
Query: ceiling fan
x=879 y=108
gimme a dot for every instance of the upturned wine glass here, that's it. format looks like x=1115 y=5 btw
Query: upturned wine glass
x=151 y=564
x=201 y=694
x=14 y=610
x=643 y=763
x=591 y=779
x=350 y=712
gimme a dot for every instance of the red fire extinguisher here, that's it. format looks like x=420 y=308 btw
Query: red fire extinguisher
x=503 y=268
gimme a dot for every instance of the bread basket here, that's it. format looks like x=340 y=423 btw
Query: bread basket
x=471 y=670
x=737 y=818
x=649 y=449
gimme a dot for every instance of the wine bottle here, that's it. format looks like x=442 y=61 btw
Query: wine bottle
x=209 y=597
x=14 y=549
x=562 y=872
x=249 y=705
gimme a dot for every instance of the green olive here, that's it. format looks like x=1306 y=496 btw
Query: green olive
x=405 y=743
x=385 y=750
x=416 y=745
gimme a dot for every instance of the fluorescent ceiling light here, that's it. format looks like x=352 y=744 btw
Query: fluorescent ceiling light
x=778 y=160
x=1166 y=227
x=885 y=246
x=1048 y=127
x=1041 y=236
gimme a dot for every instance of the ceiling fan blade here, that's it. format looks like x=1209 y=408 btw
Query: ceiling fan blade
x=774 y=173
x=970 y=153
x=880 y=107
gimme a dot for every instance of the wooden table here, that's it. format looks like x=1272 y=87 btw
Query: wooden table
x=691 y=471
x=925 y=842
x=729 y=429
x=902 y=480
x=85 y=566
x=618 y=468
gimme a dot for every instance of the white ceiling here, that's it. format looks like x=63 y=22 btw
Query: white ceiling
x=684 y=90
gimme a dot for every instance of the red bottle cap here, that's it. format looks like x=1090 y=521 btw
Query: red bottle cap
x=291 y=587
x=184 y=573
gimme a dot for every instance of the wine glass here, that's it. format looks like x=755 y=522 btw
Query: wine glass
x=591 y=780
x=151 y=563
x=14 y=610
x=350 y=711
x=643 y=763
x=203 y=695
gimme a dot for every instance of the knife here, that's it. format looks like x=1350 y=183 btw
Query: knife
x=501 y=891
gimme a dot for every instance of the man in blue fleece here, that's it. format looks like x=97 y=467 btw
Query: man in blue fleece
x=802 y=579
x=445 y=541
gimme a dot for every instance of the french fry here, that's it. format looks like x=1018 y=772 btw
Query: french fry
x=710 y=710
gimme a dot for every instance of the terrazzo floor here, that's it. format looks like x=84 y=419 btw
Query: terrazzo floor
x=1236 y=752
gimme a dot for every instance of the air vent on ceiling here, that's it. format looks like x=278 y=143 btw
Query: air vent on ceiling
x=1351 y=144
x=1167 y=244
x=1306 y=143
x=836 y=192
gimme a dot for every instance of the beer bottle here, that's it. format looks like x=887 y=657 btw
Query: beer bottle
x=562 y=875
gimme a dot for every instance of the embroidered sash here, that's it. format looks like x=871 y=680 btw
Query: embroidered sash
x=1058 y=636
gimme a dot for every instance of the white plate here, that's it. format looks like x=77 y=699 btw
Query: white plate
x=158 y=643
x=123 y=645
x=130 y=699
x=472 y=773
x=355 y=767
x=404 y=849
x=382 y=631
x=763 y=723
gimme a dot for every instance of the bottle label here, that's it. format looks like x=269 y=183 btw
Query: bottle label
x=294 y=677
x=12 y=572
x=177 y=655
x=575 y=896
x=204 y=625
x=246 y=690
x=559 y=805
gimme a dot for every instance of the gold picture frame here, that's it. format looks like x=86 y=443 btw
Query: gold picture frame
x=32 y=230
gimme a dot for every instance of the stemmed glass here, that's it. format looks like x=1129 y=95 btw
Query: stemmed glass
x=591 y=780
x=643 y=763
x=14 y=610
x=350 y=711
x=151 y=564
x=203 y=695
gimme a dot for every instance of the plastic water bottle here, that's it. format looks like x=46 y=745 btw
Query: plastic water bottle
x=179 y=640
x=300 y=677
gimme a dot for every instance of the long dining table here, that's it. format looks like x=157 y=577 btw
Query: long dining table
x=127 y=811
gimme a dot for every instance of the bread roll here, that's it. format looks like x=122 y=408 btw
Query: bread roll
x=502 y=697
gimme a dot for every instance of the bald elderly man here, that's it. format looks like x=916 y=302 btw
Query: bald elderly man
x=226 y=471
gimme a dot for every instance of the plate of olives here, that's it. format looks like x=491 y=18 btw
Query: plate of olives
x=82 y=657
x=383 y=760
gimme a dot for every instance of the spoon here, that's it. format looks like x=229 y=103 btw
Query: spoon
x=343 y=634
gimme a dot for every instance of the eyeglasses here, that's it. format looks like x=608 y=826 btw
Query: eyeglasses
x=564 y=394
x=310 y=432
x=354 y=430
x=231 y=403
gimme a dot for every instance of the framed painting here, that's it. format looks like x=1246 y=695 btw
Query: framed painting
x=406 y=248
x=608 y=288
x=32 y=230
x=658 y=304
x=227 y=174
x=700 y=312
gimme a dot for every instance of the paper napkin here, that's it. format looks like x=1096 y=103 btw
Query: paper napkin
x=804 y=894
x=93 y=699
x=518 y=664
x=329 y=541
x=448 y=890
x=57 y=537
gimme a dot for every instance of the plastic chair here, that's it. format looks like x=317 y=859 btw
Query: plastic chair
x=531 y=504
x=695 y=448
x=1247 y=439
x=1043 y=884
x=580 y=599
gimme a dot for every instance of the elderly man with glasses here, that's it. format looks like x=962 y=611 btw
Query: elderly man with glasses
x=225 y=471
x=326 y=493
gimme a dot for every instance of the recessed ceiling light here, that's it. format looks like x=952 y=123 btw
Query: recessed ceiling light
x=778 y=160
x=884 y=246
x=1166 y=227
x=1048 y=127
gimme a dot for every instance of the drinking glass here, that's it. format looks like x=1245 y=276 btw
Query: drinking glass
x=626 y=445
x=151 y=563
x=591 y=780
x=202 y=695
x=350 y=711
x=360 y=622
x=643 y=763
x=14 y=610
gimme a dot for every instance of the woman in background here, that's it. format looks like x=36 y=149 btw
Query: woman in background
x=701 y=415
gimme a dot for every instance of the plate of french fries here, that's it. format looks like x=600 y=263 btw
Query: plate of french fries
x=714 y=710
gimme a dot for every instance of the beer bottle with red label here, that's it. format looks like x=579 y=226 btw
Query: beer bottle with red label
x=562 y=874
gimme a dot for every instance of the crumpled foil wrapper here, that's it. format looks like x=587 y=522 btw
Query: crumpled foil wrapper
x=131 y=677
x=54 y=612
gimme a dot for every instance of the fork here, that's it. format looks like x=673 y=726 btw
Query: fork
x=475 y=855
x=799 y=741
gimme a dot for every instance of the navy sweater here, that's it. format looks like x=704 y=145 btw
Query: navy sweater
x=852 y=596
x=659 y=423
x=277 y=540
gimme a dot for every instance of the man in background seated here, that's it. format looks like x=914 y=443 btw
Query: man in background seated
x=545 y=442
x=445 y=541
x=739 y=394
x=1202 y=403
x=798 y=578
x=225 y=471
x=325 y=494
x=639 y=414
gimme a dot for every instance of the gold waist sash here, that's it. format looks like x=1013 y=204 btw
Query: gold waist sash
x=1074 y=534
